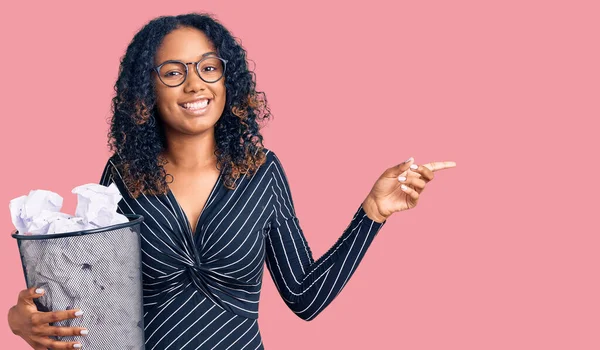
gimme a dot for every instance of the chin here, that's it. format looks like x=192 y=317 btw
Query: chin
x=198 y=126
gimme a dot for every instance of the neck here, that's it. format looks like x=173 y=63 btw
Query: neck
x=191 y=152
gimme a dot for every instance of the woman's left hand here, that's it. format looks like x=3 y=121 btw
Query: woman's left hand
x=399 y=188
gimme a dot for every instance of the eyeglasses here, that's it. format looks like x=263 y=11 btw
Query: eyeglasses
x=173 y=73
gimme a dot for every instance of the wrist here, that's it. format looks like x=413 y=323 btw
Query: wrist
x=372 y=211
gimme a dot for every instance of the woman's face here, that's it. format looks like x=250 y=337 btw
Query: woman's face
x=178 y=116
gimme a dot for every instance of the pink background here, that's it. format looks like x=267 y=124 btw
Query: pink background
x=500 y=253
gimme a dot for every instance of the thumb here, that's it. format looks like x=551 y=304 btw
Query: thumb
x=26 y=296
x=402 y=167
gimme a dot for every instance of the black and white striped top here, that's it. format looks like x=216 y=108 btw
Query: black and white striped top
x=201 y=290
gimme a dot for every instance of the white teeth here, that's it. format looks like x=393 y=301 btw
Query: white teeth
x=196 y=105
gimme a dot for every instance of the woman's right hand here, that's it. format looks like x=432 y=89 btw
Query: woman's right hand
x=27 y=322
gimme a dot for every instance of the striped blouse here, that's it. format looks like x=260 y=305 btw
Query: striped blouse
x=201 y=290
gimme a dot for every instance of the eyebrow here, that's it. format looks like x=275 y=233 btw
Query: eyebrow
x=208 y=54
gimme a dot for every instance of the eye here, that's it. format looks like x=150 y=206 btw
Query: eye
x=208 y=69
x=171 y=70
x=172 y=74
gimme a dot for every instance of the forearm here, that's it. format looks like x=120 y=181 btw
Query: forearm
x=309 y=289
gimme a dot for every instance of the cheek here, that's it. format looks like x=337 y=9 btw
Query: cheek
x=165 y=100
x=222 y=93
x=219 y=98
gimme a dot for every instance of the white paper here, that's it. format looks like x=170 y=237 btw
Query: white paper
x=97 y=204
x=66 y=224
x=40 y=224
x=39 y=212
x=16 y=208
x=34 y=213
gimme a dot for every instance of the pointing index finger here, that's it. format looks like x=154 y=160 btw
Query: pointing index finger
x=435 y=166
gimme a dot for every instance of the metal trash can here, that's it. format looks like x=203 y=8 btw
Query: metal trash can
x=98 y=271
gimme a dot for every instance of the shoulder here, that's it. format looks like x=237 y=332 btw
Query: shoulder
x=110 y=171
x=272 y=161
x=274 y=166
x=110 y=165
x=112 y=174
x=269 y=154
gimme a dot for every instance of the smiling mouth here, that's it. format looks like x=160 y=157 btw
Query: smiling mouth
x=196 y=106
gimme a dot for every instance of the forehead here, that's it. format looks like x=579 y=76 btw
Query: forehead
x=184 y=44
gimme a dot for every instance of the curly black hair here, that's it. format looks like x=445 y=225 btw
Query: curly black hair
x=139 y=140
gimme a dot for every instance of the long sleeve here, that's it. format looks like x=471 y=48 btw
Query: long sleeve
x=308 y=286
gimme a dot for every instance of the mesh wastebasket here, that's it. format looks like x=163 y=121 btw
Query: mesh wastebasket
x=98 y=271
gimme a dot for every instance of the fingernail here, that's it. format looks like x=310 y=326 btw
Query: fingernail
x=401 y=178
x=414 y=167
x=79 y=313
x=77 y=346
x=39 y=290
x=84 y=332
x=404 y=187
x=408 y=160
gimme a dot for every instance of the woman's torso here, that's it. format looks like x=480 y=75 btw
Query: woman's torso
x=201 y=290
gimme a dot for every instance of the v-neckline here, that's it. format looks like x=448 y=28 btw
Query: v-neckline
x=185 y=217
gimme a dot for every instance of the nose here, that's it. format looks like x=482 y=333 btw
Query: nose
x=193 y=82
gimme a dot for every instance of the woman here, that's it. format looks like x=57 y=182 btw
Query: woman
x=188 y=156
